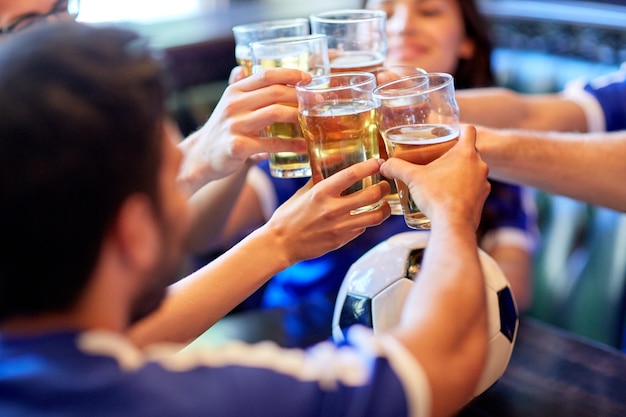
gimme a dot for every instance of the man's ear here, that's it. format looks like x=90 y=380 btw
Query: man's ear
x=137 y=232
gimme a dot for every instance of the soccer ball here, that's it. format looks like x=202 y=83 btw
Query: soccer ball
x=377 y=284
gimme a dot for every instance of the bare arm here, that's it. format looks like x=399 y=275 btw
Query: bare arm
x=210 y=206
x=314 y=221
x=451 y=346
x=504 y=108
x=247 y=214
x=586 y=167
x=225 y=146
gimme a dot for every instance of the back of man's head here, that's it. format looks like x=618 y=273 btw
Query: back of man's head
x=80 y=117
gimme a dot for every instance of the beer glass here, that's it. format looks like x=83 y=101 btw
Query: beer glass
x=307 y=53
x=383 y=75
x=357 y=40
x=338 y=118
x=253 y=32
x=418 y=117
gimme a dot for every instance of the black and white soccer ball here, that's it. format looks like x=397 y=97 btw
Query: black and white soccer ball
x=375 y=288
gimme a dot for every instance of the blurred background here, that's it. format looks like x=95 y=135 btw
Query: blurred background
x=539 y=45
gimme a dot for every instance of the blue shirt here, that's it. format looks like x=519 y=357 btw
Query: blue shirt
x=101 y=374
x=610 y=92
x=603 y=99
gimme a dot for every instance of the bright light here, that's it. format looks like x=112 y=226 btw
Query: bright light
x=96 y=11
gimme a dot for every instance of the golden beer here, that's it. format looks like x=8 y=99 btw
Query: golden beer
x=418 y=144
x=283 y=164
x=340 y=136
x=286 y=164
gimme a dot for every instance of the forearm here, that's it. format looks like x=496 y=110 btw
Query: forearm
x=197 y=302
x=445 y=324
x=193 y=176
x=581 y=166
x=505 y=109
x=211 y=207
x=493 y=107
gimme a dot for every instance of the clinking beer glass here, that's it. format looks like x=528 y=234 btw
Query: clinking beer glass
x=338 y=118
x=385 y=74
x=357 y=40
x=270 y=29
x=418 y=117
x=307 y=53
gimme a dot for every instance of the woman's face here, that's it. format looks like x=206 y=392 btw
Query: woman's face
x=425 y=33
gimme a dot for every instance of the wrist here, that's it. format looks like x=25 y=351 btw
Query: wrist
x=493 y=145
x=275 y=245
x=188 y=176
x=456 y=222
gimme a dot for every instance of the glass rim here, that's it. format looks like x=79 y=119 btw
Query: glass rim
x=305 y=85
x=361 y=15
x=287 y=39
x=390 y=67
x=384 y=91
x=270 y=24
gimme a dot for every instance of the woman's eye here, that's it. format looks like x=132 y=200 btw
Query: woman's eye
x=429 y=12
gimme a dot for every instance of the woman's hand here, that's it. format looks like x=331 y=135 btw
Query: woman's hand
x=231 y=135
x=317 y=218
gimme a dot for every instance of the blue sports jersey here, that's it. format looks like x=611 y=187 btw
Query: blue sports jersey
x=603 y=100
x=610 y=92
x=101 y=374
x=308 y=289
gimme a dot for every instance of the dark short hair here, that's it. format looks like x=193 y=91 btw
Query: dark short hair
x=80 y=130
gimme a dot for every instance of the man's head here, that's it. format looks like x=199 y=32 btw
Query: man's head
x=83 y=132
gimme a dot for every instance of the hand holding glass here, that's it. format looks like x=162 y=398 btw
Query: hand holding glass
x=419 y=120
x=307 y=53
x=337 y=116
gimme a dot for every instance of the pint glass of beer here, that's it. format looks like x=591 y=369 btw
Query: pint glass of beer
x=357 y=40
x=383 y=75
x=307 y=53
x=338 y=118
x=253 y=32
x=419 y=120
